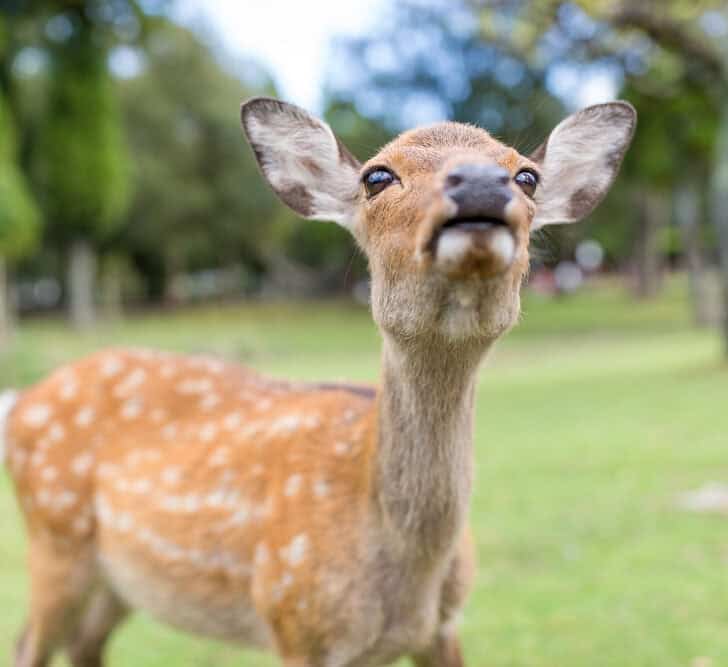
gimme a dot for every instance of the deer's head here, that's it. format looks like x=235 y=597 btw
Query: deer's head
x=444 y=213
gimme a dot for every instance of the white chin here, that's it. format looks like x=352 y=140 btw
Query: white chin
x=503 y=246
x=454 y=247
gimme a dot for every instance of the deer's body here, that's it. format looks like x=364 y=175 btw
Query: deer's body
x=226 y=504
x=325 y=523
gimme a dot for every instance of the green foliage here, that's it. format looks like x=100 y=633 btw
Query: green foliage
x=19 y=216
x=84 y=164
x=429 y=62
x=678 y=133
x=199 y=200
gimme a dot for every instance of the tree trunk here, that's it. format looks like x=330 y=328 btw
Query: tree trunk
x=719 y=213
x=688 y=212
x=6 y=311
x=112 y=291
x=81 y=283
x=653 y=211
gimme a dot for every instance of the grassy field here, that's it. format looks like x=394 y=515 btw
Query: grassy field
x=592 y=416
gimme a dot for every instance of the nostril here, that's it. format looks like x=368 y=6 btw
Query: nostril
x=453 y=180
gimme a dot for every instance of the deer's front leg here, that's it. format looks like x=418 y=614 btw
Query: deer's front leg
x=445 y=652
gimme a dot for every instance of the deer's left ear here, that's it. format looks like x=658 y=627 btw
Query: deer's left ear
x=580 y=160
x=304 y=162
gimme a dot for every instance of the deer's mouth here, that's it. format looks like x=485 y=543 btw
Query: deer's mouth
x=473 y=244
x=472 y=224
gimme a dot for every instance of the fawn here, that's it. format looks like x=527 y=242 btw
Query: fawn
x=326 y=523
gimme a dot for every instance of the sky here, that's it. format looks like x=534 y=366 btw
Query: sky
x=290 y=38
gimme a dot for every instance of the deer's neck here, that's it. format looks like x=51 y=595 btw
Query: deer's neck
x=424 y=460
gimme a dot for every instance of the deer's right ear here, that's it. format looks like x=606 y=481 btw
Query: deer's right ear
x=299 y=155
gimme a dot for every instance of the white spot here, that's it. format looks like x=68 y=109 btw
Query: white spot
x=285 y=424
x=124 y=522
x=214 y=366
x=261 y=554
x=37 y=415
x=131 y=409
x=65 y=500
x=216 y=498
x=49 y=474
x=312 y=421
x=171 y=476
x=140 y=486
x=189 y=503
x=295 y=553
x=169 y=431
x=85 y=416
x=263 y=404
x=103 y=510
x=232 y=421
x=111 y=366
x=210 y=401
x=321 y=488
x=208 y=432
x=293 y=485
x=220 y=457
x=69 y=389
x=82 y=464
x=240 y=516
x=132 y=382
x=342 y=448
x=38 y=458
x=257 y=470
x=107 y=470
x=192 y=503
x=56 y=433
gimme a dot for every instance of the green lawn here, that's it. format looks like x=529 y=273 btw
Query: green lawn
x=592 y=416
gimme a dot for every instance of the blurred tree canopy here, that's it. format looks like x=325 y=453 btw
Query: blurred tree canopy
x=195 y=185
x=672 y=57
x=19 y=217
x=123 y=131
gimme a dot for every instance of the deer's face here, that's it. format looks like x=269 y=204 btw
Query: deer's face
x=444 y=213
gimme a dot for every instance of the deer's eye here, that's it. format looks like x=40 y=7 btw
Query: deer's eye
x=376 y=180
x=527 y=180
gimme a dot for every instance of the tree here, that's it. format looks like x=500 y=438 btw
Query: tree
x=19 y=217
x=630 y=33
x=84 y=168
x=197 y=199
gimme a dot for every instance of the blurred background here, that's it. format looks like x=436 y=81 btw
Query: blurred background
x=132 y=212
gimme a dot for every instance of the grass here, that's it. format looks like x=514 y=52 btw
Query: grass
x=591 y=417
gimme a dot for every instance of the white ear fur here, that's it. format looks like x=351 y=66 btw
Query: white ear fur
x=304 y=162
x=580 y=160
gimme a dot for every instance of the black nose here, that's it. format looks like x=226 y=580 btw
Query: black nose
x=479 y=190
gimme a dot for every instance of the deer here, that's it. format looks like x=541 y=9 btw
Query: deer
x=325 y=523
